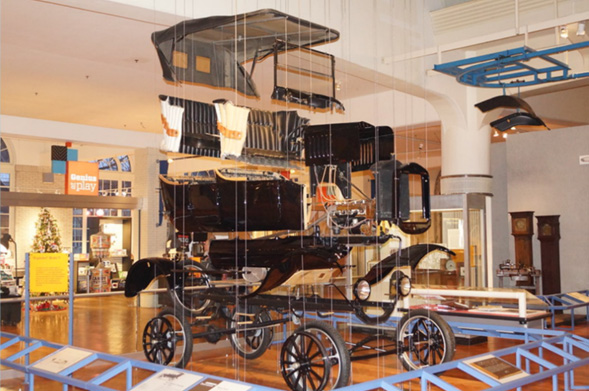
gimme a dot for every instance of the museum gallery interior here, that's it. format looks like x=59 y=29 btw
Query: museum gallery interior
x=294 y=195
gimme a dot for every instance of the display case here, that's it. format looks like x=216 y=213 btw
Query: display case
x=498 y=306
x=461 y=223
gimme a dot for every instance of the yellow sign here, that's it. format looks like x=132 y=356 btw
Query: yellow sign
x=49 y=272
x=81 y=178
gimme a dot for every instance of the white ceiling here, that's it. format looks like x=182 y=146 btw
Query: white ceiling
x=93 y=63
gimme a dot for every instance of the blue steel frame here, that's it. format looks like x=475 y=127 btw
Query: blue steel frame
x=429 y=376
x=122 y=365
x=565 y=302
x=509 y=68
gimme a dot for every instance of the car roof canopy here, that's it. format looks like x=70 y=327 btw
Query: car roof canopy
x=212 y=50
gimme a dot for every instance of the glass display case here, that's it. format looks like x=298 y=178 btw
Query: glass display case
x=459 y=222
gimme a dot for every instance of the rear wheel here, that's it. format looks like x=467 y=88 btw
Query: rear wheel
x=248 y=340
x=185 y=295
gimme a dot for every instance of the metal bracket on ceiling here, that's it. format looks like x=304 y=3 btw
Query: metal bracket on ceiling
x=512 y=68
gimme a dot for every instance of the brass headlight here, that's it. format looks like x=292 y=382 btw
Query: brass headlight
x=404 y=286
x=362 y=290
x=400 y=284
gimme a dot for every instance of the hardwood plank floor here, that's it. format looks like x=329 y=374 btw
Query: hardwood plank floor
x=115 y=325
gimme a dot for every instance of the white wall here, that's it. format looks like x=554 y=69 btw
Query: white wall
x=544 y=176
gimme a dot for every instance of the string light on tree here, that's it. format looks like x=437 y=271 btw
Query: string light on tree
x=47 y=237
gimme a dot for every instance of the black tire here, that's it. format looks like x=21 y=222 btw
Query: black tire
x=424 y=339
x=189 y=300
x=332 y=358
x=167 y=339
x=249 y=341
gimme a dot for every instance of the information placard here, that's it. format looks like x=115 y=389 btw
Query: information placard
x=62 y=359
x=168 y=380
x=49 y=272
x=496 y=368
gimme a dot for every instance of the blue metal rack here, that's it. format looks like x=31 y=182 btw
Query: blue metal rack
x=566 y=302
x=20 y=361
x=512 y=68
x=568 y=352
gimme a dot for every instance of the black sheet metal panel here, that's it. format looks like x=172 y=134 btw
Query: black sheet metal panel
x=409 y=256
x=211 y=50
x=358 y=143
x=517 y=119
x=273 y=135
x=225 y=205
x=505 y=101
x=282 y=256
x=142 y=272
x=392 y=181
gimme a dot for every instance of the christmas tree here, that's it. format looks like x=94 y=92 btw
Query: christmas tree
x=47 y=238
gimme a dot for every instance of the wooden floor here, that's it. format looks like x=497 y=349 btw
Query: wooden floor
x=114 y=325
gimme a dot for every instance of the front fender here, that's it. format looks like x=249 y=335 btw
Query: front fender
x=144 y=271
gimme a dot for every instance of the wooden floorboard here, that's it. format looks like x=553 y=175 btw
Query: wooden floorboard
x=114 y=325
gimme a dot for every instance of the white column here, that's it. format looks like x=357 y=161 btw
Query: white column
x=466 y=145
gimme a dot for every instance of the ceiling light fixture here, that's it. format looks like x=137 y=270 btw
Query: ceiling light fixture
x=512 y=128
x=504 y=135
x=496 y=134
x=564 y=32
x=581 y=28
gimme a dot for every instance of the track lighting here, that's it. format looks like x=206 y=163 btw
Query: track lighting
x=581 y=28
x=564 y=32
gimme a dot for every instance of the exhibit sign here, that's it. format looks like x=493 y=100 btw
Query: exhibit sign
x=49 y=272
x=169 y=380
x=81 y=178
x=62 y=359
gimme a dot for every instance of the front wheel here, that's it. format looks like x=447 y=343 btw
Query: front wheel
x=315 y=358
x=167 y=339
x=424 y=339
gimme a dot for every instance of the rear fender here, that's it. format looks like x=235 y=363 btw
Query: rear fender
x=144 y=271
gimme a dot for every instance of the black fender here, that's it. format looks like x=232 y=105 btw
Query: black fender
x=409 y=256
x=144 y=271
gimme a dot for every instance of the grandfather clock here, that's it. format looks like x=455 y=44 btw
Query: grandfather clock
x=522 y=230
x=549 y=237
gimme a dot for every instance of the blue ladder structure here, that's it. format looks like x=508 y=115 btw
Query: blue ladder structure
x=566 y=302
x=571 y=352
x=513 y=68
x=43 y=367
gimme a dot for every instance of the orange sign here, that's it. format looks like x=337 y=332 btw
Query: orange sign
x=81 y=178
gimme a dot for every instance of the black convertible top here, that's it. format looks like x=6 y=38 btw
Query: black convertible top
x=208 y=50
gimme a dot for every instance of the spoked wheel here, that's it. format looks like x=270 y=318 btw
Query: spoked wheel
x=248 y=340
x=424 y=339
x=190 y=300
x=167 y=339
x=315 y=358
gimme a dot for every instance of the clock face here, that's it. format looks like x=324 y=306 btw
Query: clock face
x=450 y=265
x=546 y=230
x=520 y=225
